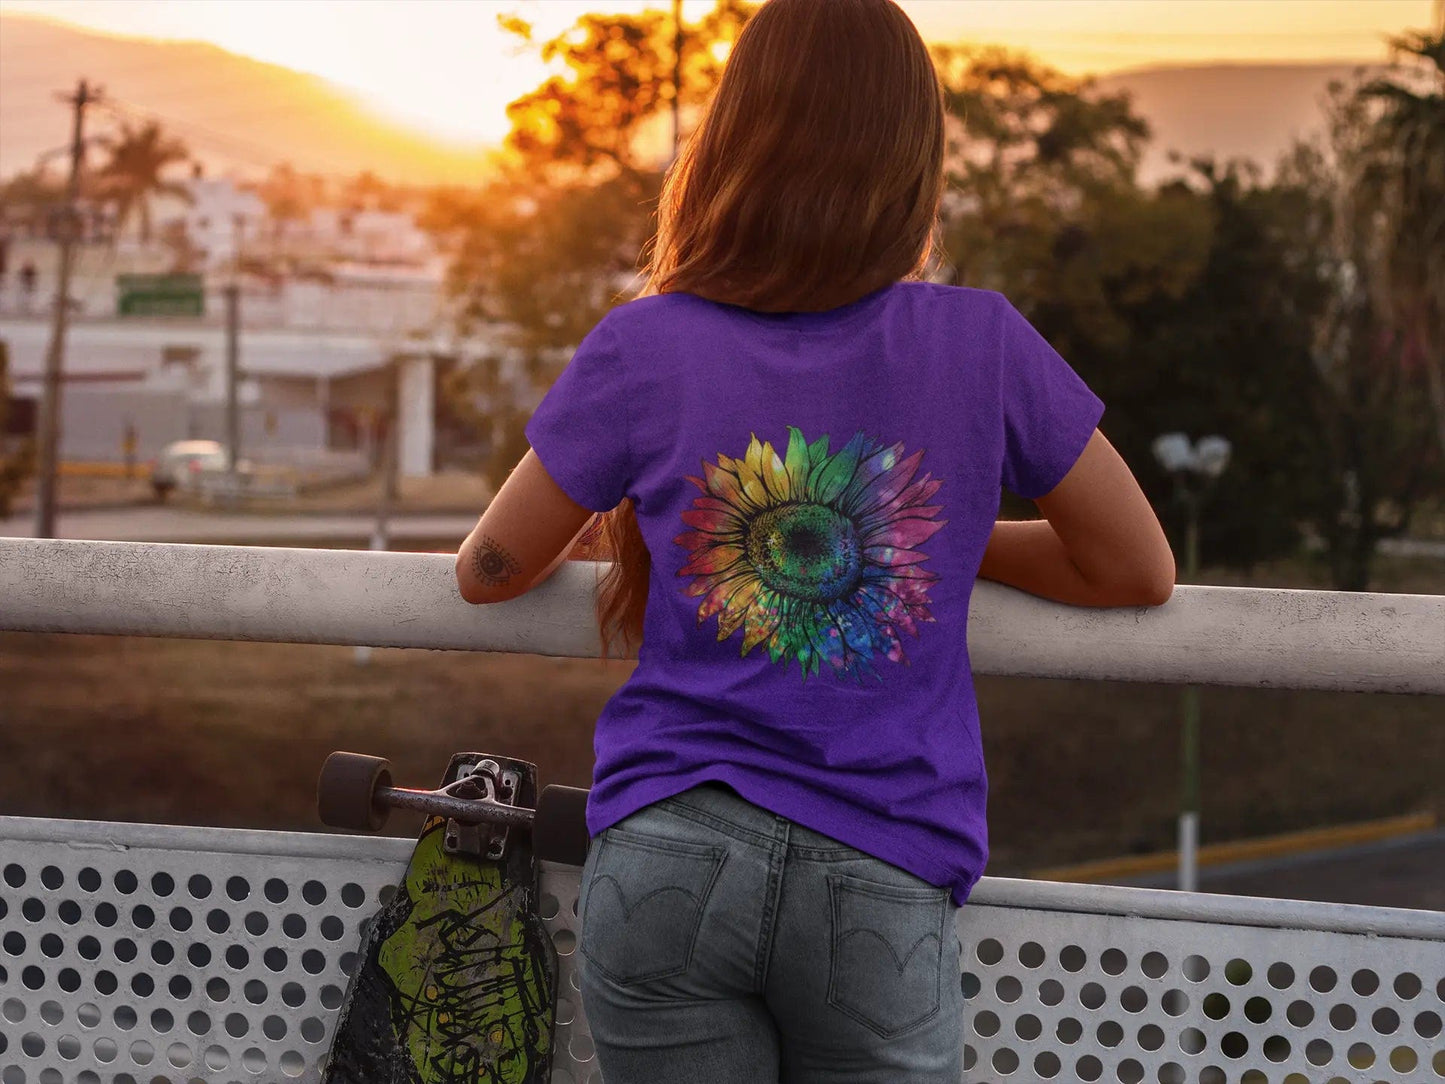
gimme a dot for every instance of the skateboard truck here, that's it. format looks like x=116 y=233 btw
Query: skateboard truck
x=355 y=791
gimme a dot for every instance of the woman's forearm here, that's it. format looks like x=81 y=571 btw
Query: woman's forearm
x=1029 y=555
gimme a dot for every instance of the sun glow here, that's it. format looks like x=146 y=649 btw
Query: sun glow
x=446 y=66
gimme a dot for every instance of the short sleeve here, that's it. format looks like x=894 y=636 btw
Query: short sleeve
x=579 y=430
x=1049 y=413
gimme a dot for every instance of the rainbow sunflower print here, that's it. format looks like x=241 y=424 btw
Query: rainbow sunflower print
x=814 y=555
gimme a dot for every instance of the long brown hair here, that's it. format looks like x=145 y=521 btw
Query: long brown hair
x=812 y=179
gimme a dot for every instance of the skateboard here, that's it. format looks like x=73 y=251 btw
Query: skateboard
x=456 y=976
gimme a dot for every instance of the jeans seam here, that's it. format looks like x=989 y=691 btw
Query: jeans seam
x=777 y=860
x=722 y=824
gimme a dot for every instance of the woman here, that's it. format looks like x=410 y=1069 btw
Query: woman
x=798 y=446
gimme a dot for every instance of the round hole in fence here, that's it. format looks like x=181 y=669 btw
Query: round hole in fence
x=1237 y=972
x=1427 y=1025
x=1280 y=976
x=253 y=1060
x=1257 y=1010
x=256 y=923
x=274 y=1028
x=1407 y=985
x=332 y=928
x=384 y=893
x=293 y=926
x=970 y=1056
x=51 y=945
x=1051 y=992
x=1005 y=1061
x=15 y=875
x=274 y=959
x=125 y=881
x=32 y=1045
x=1109 y=1033
x=1073 y=958
x=69 y=912
x=581 y=1048
x=218 y=989
x=1438 y=1063
x=142 y=985
x=105 y=1050
x=199 y=886
x=162 y=884
x=1323 y=979
x=142 y=917
x=32 y=910
x=1174 y=1002
x=87 y=1015
x=1196 y=968
x=986 y=1023
x=237 y=888
x=125 y=1017
x=180 y=919
x=89 y=879
x=237 y=1025
x=1089 y=1067
x=255 y=991
x=1008 y=989
x=1234 y=1045
x=1403 y=1059
x=314 y=893
x=1133 y=999
x=32 y=978
x=970 y=984
x=217 y=920
x=162 y=952
x=293 y=994
x=51 y=877
x=180 y=987
x=1154 y=965
x=1191 y=1040
x=12 y=1009
x=161 y=1021
x=1113 y=961
x=12 y=1074
x=276 y=890
x=1171 y=1073
x=1150 y=1037
x=292 y=1063
x=1319 y=1052
x=141 y=1052
x=106 y=983
x=331 y=996
x=1027 y=1027
x=217 y=1058
x=1091 y=995
x=1130 y=1072
x=989 y=951
x=1364 y=982
x=312 y=1029
x=125 y=950
x=198 y=955
x=13 y=943
x=1069 y=1030
x=198 y=1023
x=1276 y=1048
x=1216 y=1006
x=1253 y=1076
x=1385 y=1021
x=313 y=962
x=1047 y=1065
x=1031 y=954
x=352 y=894
x=1361 y=1055
x=51 y=1012
x=1300 y=1013
x=1212 y=1074
x=1342 y=1017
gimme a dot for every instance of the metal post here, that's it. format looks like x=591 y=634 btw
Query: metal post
x=1189 y=806
x=50 y=392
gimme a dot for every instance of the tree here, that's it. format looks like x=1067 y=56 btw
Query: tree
x=1376 y=452
x=134 y=172
x=1406 y=180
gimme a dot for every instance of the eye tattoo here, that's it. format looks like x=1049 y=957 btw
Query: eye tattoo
x=493 y=565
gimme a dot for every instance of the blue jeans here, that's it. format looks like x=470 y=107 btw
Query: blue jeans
x=722 y=944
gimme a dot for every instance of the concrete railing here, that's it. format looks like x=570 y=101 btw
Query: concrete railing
x=146 y=952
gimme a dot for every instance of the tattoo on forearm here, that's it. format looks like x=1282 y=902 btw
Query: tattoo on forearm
x=493 y=565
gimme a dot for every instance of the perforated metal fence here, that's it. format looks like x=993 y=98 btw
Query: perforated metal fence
x=142 y=953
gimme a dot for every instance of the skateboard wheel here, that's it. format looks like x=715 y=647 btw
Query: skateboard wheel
x=559 y=829
x=346 y=791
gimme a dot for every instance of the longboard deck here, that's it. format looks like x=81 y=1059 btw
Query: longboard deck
x=456 y=978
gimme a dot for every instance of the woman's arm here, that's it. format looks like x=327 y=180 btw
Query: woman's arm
x=1099 y=543
x=525 y=533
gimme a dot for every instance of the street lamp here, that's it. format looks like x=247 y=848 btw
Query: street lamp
x=1194 y=468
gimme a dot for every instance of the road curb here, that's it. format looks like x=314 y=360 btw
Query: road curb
x=1242 y=850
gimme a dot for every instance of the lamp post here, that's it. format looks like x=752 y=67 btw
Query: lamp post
x=1194 y=468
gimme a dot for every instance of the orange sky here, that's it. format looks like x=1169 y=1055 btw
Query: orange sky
x=443 y=64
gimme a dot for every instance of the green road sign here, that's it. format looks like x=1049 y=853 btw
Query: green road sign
x=160 y=295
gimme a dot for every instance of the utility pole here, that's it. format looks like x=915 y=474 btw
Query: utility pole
x=84 y=95
x=676 y=75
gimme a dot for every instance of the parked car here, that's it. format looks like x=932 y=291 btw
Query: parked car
x=182 y=463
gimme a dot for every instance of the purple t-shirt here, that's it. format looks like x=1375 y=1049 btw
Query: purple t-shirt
x=816 y=491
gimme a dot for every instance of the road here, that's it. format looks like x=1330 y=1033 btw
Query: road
x=155 y=524
x=1404 y=872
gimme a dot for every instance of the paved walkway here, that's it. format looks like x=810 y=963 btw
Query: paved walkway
x=1404 y=872
x=153 y=524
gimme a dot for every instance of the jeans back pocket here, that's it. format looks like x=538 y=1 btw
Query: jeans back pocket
x=887 y=943
x=644 y=903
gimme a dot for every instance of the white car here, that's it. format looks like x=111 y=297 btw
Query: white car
x=182 y=463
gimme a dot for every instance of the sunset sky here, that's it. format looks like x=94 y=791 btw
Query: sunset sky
x=444 y=64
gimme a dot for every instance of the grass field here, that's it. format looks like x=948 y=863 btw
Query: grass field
x=232 y=734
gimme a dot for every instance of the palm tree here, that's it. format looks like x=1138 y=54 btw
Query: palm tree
x=133 y=173
x=1407 y=180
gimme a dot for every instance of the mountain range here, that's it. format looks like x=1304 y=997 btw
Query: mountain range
x=240 y=114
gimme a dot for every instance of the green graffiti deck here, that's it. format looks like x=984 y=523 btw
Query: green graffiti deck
x=456 y=976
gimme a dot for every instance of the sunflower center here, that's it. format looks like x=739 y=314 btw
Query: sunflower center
x=808 y=551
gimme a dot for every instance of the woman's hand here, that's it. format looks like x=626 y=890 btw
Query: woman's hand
x=525 y=533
